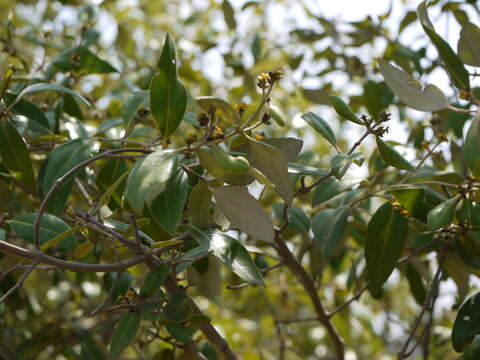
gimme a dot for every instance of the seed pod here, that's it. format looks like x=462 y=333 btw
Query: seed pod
x=237 y=165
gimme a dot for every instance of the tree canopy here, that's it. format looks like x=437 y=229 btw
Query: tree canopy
x=191 y=180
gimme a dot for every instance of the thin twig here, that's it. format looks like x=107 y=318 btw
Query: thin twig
x=19 y=282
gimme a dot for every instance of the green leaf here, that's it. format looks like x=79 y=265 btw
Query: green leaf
x=57 y=239
x=81 y=59
x=168 y=97
x=149 y=177
x=392 y=157
x=244 y=211
x=134 y=101
x=110 y=179
x=229 y=15
x=121 y=285
x=61 y=160
x=200 y=199
x=415 y=282
x=467 y=323
x=344 y=111
x=14 y=155
x=413 y=200
x=181 y=333
x=411 y=91
x=326 y=190
x=298 y=219
x=454 y=65
x=328 y=228
x=220 y=107
x=212 y=166
x=273 y=164
x=167 y=208
x=340 y=163
x=386 y=236
x=290 y=147
x=154 y=279
x=320 y=126
x=469 y=45
x=37 y=120
x=471 y=147
x=50 y=228
x=256 y=47
x=230 y=252
x=442 y=214
x=124 y=333
x=49 y=87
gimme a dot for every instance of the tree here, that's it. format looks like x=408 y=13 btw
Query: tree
x=160 y=201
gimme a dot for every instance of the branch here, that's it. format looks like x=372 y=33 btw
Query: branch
x=310 y=288
x=427 y=304
x=83 y=267
x=61 y=180
x=19 y=282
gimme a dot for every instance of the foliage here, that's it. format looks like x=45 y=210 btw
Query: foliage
x=153 y=209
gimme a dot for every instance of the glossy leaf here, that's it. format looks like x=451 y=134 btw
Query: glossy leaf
x=326 y=190
x=81 y=59
x=244 y=211
x=200 y=199
x=14 y=155
x=392 y=157
x=386 y=236
x=273 y=164
x=454 y=65
x=124 y=333
x=167 y=208
x=328 y=228
x=340 y=163
x=320 y=126
x=220 y=107
x=230 y=252
x=411 y=91
x=37 y=119
x=181 y=333
x=290 y=147
x=148 y=178
x=154 y=279
x=344 y=111
x=132 y=104
x=412 y=200
x=50 y=227
x=467 y=323
x=61 y=160
x=298 y=219
x=212 y=166
x=168 y=97
x=471 y=147
x=469 y=45
x=49 y=87
x=442 y=215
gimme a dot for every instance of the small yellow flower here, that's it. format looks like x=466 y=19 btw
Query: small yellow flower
x=263 y=80
x=131 y=294
x=240 y=107
x=217 y=131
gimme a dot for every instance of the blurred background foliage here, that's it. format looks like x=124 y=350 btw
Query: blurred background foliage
x=222 y=47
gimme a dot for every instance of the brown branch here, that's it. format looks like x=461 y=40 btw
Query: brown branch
x=206 y=327
x=83 y=267
x=19 y=282
x=309 y=286
x=61 y=180
x=427 y=304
